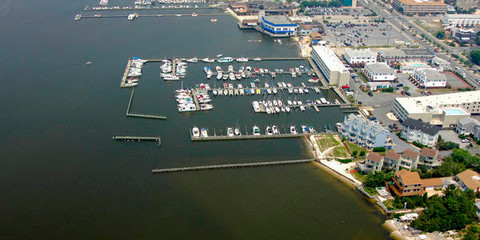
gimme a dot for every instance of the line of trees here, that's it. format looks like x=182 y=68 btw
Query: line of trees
x=333 y=3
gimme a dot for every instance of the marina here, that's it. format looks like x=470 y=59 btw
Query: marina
x=226 y=166
x=127 y=16
x=138 y=139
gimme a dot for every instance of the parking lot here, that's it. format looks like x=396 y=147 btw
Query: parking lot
x=369 y=33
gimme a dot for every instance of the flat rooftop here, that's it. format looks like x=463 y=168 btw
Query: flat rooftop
x=278 y=19
x=426 y=104
x=329 y=58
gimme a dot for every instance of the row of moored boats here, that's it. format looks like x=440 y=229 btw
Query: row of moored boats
x=269 y=130
x=134 y=72
x=167 y=70
x=186 y=101
x=229 y=89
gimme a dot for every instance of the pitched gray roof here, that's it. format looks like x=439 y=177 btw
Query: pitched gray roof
x=421 y=126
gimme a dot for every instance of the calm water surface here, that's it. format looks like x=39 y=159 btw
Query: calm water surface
x=63 y=177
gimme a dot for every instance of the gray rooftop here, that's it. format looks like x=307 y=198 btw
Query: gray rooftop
x=392 y=53
x=432 y=74
x=278 y=19
x=421 y=126
x=469 y=120
x=380 y=68
x=417 y=52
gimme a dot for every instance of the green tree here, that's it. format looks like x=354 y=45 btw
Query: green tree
x=440 y=34
x=448 y=168
x=377 y=179
x=406 y=88
x=475 y=56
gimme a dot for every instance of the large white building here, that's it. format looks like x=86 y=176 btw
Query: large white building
x=331 y=67
x=442 y=109
x=430 y=78
x=461 y=19
x=359 y=56
x=379 y=72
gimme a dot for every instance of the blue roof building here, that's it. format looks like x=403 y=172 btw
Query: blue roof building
x=278 y=26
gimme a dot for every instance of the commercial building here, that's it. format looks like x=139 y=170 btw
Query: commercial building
x=421 y=132
x=393 y=56
x=442 y=109
x=466 y=126
x=277 y=26
x=359 y=57
x=373 y=163
x=331 y=67
x=366 y=133
x=465 y=36
x=463 y=20
x=419 y=6
x=379 y=72
x=406 y=183
x=440 y=63
x=429 y=78
x=410 y=67
x=468 y=179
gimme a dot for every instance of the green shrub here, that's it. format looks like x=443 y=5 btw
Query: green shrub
x=362 y=153
x=379 y=149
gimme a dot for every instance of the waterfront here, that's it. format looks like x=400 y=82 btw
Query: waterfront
x=64 y=177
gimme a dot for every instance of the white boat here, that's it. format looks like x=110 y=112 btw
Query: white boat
x=277 y=109
x=192 y=60
x=237 y=131
x=187 y=108
x=290 y=90
x=194 y=14
x=170 y=78
x=274 y=91
x=257 y=59
x=293 y=130
x=206 y=107
x=218 y=68
x=313 y=80
x=219 y=75
x=238 y=76
x=204 y=132
x=306 y=90
x=225 y=60
x=242 y=59
x=231 y=76
x=305 y=129
x=209 y=60
x=289 y=102
x=269 y=91
x=295 y=90
x=270 y=103
x=230 y=68
x=280 y=103
x=195 y=132
x=230 y=132
x=78 y=17
x=287 y=108
x=275 y=130
x=268 y=130
x=256 y=131
x=300 y=90
x=240 y=86
x=215 y=93
x=131 y=16
x=213 y=20
x=302 y=108
x=209 y=74
x=275 y=103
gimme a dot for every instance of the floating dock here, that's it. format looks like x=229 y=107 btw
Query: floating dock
x=138 y=115
x=226 y=166
x=138 y=138
x=125 y=73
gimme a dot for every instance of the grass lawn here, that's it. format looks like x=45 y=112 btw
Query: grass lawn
x=326 y=141
x=370 y=191
x=359 y=177
x=340 y=151
x=360 y=75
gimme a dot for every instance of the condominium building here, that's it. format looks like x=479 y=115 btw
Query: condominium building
x=391 y=160
x=429 y=158
x=443 y=109
x=409 y=159
x=429 y=78
x=463 y=20
x=466 y=126
x=379 y=72
x=421 y=132
x=366 y=133
x=331 y=67
x=373 y=163
x=359 y=57
x=419 y=6
x=468 y=180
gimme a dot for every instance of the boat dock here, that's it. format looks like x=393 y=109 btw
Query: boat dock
x=139 y=115
x=125 y=73
x=156 y=8
x=226 y=166
x=138 y=138
x=249 y=137
x=153 y=15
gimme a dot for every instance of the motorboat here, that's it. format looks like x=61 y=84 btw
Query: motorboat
x=213 y=20
x=256 y=131
x=215 y=92
x=204 y=132
x=257 y=59
x=280 y=103
x=230 y=132
x=306 y=90
x=194 y=14
x=274 y=91
x=277 y=109
x=293 y=130
x=230 y=68
x=302 y=108
x=237 y=131
x=289 y=102
x=311 y=129
x=225 y=60
x=231 y=76
x=275 y=103
x=219 y=75
x=290 y=90
x=269 y=130
x=287 y=109
x=192 y=60
x=242 y=59
x=195 y=132
x=305 y=129
x=275 y=130
x=208 y=60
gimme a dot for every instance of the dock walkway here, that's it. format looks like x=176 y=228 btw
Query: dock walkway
x=249 y=137
x=139 y=115
x=138 y=138
x=125 y=73
x=226 y=166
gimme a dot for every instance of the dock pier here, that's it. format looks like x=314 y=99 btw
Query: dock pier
x=250 y=137
x=227 y=166
x=138 y=115
x=138 y=138
x=125 y=73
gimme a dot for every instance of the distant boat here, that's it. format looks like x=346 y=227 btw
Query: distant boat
x=194 y=14
x=213 y=20
x=88 y=63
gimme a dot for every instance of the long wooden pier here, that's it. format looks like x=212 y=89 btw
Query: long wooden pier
x=155 y=15
x=125 y=73
x=250 y=137
x=139 y=115
x=138 y=138
x=155 y=8
x=226 y=166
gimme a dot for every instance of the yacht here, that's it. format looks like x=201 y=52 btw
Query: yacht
x=256 y=131
x=257 y=59
x=268 y=131
x=275 y=130
x=194 y=14
x=274 y=90
x=302 y=108
x=196 y=132
x=204 y=132
x=242 y=59
x=237 y=131
x=287 y=108
x=305 y=129
x=219 y=75
x=213 y=20
x=293 y=130
x=230 y=132
x=209 y=60
x=192 y=60
x=225 y=60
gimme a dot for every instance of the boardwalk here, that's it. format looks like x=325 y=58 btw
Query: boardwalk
x=249 y=137
x=125 y=73
x=139 y=115
x=138 y=138
x=225 y=166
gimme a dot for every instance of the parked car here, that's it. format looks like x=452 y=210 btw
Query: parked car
x=370 y=94
x=395 y=126
x=407 y=93
x=400 y=85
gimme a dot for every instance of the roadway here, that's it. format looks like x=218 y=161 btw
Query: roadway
x=400 y=21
